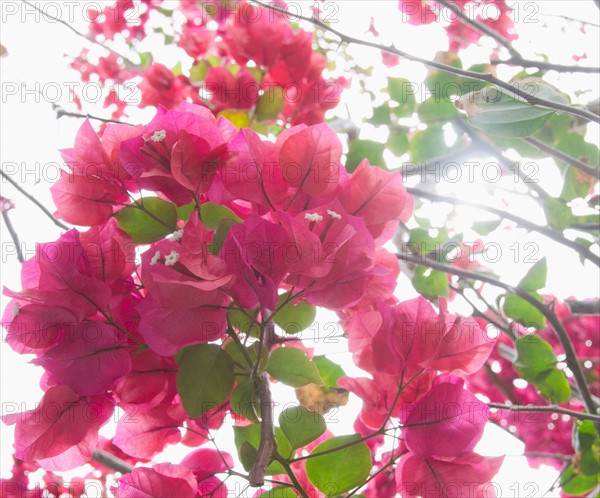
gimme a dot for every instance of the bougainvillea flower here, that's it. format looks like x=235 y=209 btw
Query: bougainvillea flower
x=468 y=475
x=62 y=421
x=446 y=422
x=164 y=479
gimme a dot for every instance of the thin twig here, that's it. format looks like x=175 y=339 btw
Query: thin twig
x=541 y=454
x=487 y=77
x=559 y=154
x=584 y=307
x=14 y=236
x=546 y=409
x=34 y=200
x=571 y=19
x=541 y=229
x=560 y=68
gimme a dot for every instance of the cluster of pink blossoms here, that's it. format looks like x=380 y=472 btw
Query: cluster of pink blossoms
x=106 y=330
x=284 y=67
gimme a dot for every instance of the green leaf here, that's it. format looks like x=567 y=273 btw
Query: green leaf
x=301 y=425
x=575 y=145
x=397 y=141
x=558 y=214
x=523 y=148
x=244 y=400
x=520 y=310
x=241 y=364
x=536 y=363
x=434 y=109
x=430 y=283
x=585 y=243
x=214 y=60
x=204 y=379
x=576 y=184
x=381 y=116
x=428 y=144
x=575 y=484
x=270 y=104
x=244 y=323
x=220 y=234
x=247 y=441
x=339 y=471
x=534 y=356
x=330 y=372
x=199 y=71
x=184 y=212
x=421 y=242
x=586 y=443
x=293 y=318
x=523 y=312
x=553 y=386
x=535 y=278
x=177 y=69
x=446 y=85
x=212 y=214
x=279 y=492
x=486 y=227
x=358 y=150
x=402 y=92
x=145 y=59
x=292 y=367
x=148 y=220
x=499 y=112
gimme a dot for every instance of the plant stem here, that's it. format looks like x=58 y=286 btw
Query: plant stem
x=560 y=68
x=256 y=476
x=559 y=154
x=288 y=469
x=14 y=236
x=60 y=112
x=584 y=307
x=546 y=409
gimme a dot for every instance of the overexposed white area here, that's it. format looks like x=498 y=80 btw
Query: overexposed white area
x=35 y=74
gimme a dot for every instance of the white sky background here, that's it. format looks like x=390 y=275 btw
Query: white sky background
x=31 y=136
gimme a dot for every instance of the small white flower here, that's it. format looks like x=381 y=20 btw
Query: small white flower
x=177 y=234
x=313 y=217
x=155 y=258
x=334 y=215
x=158 y=136
x=172 y=258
